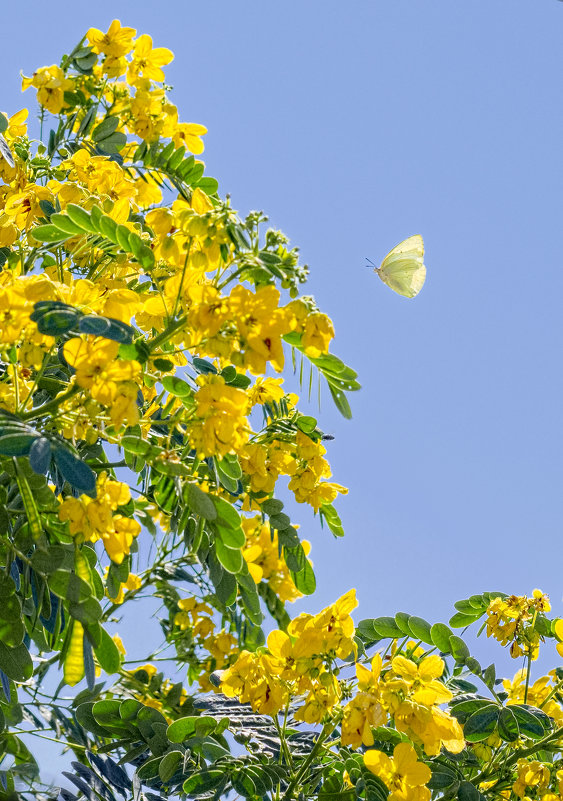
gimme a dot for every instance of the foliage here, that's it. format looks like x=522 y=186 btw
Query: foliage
x=143 y=442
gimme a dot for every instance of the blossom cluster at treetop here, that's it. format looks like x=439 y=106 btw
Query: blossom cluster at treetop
x=146 y=434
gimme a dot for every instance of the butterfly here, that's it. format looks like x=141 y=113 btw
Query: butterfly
x=403 y=268
x=5 y=152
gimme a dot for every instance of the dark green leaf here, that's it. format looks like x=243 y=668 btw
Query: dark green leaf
x=508 y=727
x=481 y=724
x=16 y=662
x=200 y=502
x=105 y=128
x=75 y=471
x=468 y=792
x=40 y=455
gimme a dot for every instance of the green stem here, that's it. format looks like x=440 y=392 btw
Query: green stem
x=302 y=772
x=52 y=405
x=171 y=329
x=529 y=668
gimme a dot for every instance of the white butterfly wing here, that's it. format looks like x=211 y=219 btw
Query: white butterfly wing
x=403 y=268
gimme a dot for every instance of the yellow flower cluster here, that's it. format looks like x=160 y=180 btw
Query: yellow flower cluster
x=222 y=426
x=541 y=693
x=302 y=460
x=404 y=776
x=196 y=617
x=299 y=662
x=532 y=774
x=512 y=620
x=410 y=694
x=262 y=555
x=92 y=519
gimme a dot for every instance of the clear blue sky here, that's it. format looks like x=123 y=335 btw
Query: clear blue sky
x=356 y=126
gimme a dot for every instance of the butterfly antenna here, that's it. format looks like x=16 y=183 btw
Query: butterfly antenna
x=372 y=264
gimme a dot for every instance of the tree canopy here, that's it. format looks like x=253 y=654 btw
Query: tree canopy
x=144 y=443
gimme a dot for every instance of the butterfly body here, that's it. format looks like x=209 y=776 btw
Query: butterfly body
x=403 y=268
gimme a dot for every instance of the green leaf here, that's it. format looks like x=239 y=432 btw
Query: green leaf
x=305 y=580
x=508 y=727
x=468 y=792
x=333 y=521
x=105 y=128
x=402 y=622
x=204 y=781
x=80 y=217
x=208 y=185
x=65 y=224
x=489 y=676
x=40 y=455
x=16 y=662
x=49 y=234
x=530 y=720
x=69 y=586
x=169 y=765
x=481 y=724
x=200 y=502
x=280 y=521
x=227 y=515
x=420 y=629
x=113 y=144
x=386 y=627
x=271 y=506
x=48 y=561
x=85 y=717
x=191 y=726
x=16 y=444
x=57 y=322
x=442 y=776
x=75 y=471
x=340 y=401
x=441 y=634
x=231 y=558
x=366 y=631
x=3 y=123
x=107 y=654
x=458 y=648
x=177 y=386
x=460 y=620
x=306 y=424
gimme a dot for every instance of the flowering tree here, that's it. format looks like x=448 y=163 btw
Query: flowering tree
x=142 y=443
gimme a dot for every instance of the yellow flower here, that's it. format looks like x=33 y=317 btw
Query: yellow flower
x=116 y=42
x=189 y=134
x=266 y=390
x=17 y=124
x=421 y=681
x=148 y=61
x=403 y=774
x=318 y=333
x=530 y=774
x=98 y=368
x=51 y=85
